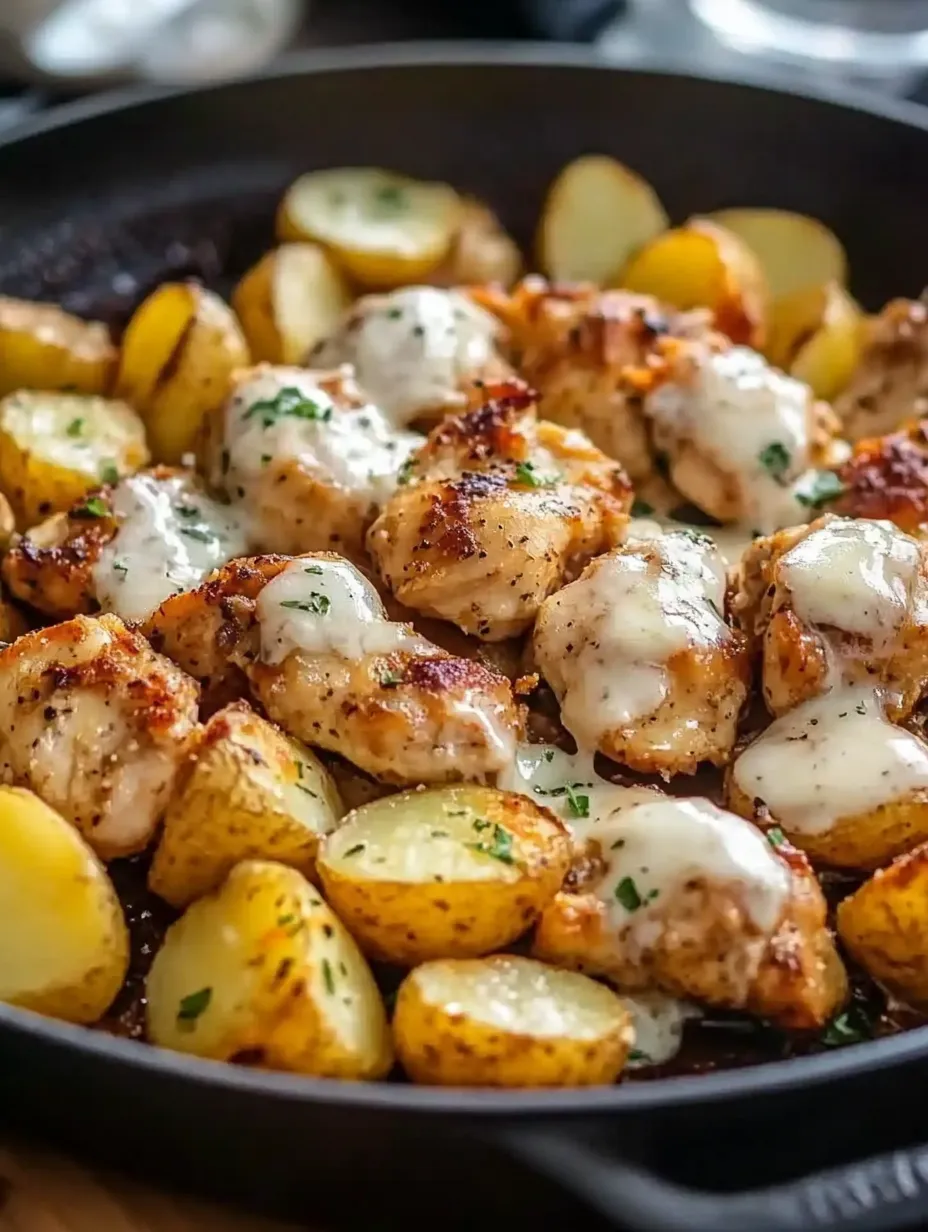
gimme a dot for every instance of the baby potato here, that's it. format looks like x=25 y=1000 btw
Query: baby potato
x=482 y=253
x=178 y=354
x=43 y=347
x=385 y=230
x=262 y=970
x=55 y=447
x=508 y=1021
x=702 y=265
x=250 y=793
x=598 y=212
x=449 y=873
x=816 y=334
x=796 y=252
x=7 y=523
x=290 y=300
x=64 y=946
x=884 y=925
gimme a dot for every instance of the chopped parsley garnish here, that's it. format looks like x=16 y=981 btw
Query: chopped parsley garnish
x=390 y=197
x=404 y=474
x=109 y=472
x=308 y=790
x=526 y=474
x=696 y=536
x=187 y=511
x=75 y=427
x=95 y=507
x=284 y=920
x=265 y=458
x=355 y=850
x=394 y=314
x=499 y=846
x=290 y=403
x=822 y=487
x=849 y=1027
x=192 y=1006
x=390 y=678
x=328 y=976
x=776 y=837
x=316 y=604
x=120 y=568
x=199 y=533
x=626 y=893
x=637 y=1055
x=317 y=569
x=775 y=459
x=549 y=755
x=641 y=508
x=480 y=824
x=578 y=806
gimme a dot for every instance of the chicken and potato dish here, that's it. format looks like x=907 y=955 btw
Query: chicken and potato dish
x=414 y=666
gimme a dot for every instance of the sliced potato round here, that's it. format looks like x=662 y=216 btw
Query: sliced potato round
x=178 y=354
x=383 y=229
x=251 y=793
x=290 y=300
x=702 y=265
x=64 y=947
x=43 y=347
x=817 y=335
x=262 y=970
x=508 y=1021
x=597 y=213
x=449 y=873
x=795 y=251
x=55 y=447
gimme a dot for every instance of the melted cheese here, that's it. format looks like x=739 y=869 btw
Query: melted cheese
x=658 y=1022
x=833 y=757
x=170 y=536
x=326 y=607
x=413 y=349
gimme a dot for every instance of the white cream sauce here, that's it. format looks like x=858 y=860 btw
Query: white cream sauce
x=731 y=542
x=170 y=536
x=281 y=415
x=327 y=607
x=833 y=757
x=565 y=783
x=658 y=1022
x=413 y=349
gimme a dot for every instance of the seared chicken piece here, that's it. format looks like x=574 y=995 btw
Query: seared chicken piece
x=891 y=381
x=416 y=351
x=887 y=477
x=585 y=350
x=97 y=725
x=639 y=655
x=682 y=896
x=497 y=511
x=841 y=602
x=306 y=457
x=125 y=548
x=313 y=640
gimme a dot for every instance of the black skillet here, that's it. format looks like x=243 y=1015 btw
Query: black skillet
x=108 y=196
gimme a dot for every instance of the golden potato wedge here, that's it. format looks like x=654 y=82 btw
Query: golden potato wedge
x=250 y=793
x=482 y=253
x=817 y=335
x=508 y=1021
x=43 y=347
x=262 y=970
x=178 y=354
x=7 y=523
x=290 y=300
x=55 y=448
x=796 y=252
x=701 y=265
x=884 y=925
x=382 y=228
x=597 y=213
x=449 y=873
x=64 y=947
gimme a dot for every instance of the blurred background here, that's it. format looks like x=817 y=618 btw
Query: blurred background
x=51 y=49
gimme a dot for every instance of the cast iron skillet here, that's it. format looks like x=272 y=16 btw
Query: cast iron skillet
x=104 y=198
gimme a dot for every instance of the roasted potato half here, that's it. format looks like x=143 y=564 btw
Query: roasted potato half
x=797 y=253
x=508 y=1021
x=884 y=925
x=289 y=301
x=251 y=793
x=43 y=347
x=703 y=265
x=482 y=253
x=64 y=947
x=262 y=970
x=383 y=229
x=597 y=213
x=54 y=448
x=454 y=872
x=178 y=354
x=817 y=335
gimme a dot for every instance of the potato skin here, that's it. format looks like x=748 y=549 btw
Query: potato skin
x=43 y=347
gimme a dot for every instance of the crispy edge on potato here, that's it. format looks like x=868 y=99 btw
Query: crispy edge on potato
x=44 y=347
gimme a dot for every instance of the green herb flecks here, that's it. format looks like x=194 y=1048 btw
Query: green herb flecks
x=290 y=403
x=109 y=471
x=76 y=427
x=192 y=1006
x=329 y=976
x=818 y=489
x=849 y=1027
x=316 y=604
x=355 y=850
x=626 y=893
x=641 y=508
x=95 y=507
x=199 y=533
x=527 y=475
x=776 y=837
x=499 y=846
x=775 y=459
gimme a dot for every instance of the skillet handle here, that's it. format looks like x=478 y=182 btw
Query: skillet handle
x=884 y=1193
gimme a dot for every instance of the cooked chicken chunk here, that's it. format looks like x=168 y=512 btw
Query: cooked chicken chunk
x=97 y=725
x=498 y=510
x=891 y=381
x=684 y=897
x=585 y=351
x=126 y=548
x=306 y=457
x=312 y=638
x=416 y=351
x=841 y=602
x=639 y=655
x=887 y=477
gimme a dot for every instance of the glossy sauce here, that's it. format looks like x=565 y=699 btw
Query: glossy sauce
x=658 y=1022
x=565 y=783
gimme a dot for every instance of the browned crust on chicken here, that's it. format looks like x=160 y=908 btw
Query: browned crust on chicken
x=887 y=477
x=51 y=566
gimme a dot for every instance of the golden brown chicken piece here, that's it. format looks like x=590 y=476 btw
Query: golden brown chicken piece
x=498 y=510
x=585 y=350
x=841 y=602
x=887 y=477
x=682 y=896
x=97 y=725
x=891 y=381
x=641 y=659
x=311 y=637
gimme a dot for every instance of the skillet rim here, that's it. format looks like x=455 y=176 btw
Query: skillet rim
x=722 y=1086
